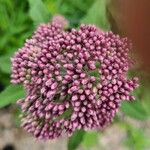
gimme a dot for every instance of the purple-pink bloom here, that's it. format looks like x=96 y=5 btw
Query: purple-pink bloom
x=73 y=79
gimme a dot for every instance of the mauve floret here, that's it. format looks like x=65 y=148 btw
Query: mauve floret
x=73 y=79
x=60 y=20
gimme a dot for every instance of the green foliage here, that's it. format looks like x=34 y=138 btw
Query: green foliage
x=10 y=95
x=136 y=139
x=134 y=109
x=138 y=109
x=90 y=139
x=73 y=10
x=76 y=139
x=97 y=15
x=145 y=99
x=15 y=25
x=38 y=12
x=17 y=117
x=5 y=64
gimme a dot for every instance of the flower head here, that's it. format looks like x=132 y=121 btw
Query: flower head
x=73 y=80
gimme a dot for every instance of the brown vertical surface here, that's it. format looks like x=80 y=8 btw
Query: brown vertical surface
x=136 y=16
x=133 y=19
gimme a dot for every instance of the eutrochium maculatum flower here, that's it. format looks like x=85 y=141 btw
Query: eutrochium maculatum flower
x=73 y=79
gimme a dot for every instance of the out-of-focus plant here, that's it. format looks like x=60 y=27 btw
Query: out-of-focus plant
x=73 y=10
x=17 y=20
x=136 y=137
x=6 y=98
x=15 y=27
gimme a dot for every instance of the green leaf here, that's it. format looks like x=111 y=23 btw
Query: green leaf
x=134 y=109
x=38 y=12
x=10 y=95
x=90 y=139
x=145 y=99
x=136 y=138
x=75 y=140
x=5 y=64
x=97 y=15
x=17 y=117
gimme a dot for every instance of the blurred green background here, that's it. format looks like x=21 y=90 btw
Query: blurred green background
x=19 y=18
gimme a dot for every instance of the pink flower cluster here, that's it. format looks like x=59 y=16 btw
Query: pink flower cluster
x=73 y=79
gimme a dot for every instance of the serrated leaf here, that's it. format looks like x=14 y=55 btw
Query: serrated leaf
x=134 y=109
x=97 y=15
x=75 y=140
x=90 y=139
x=10 y=95
x=38 y=12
